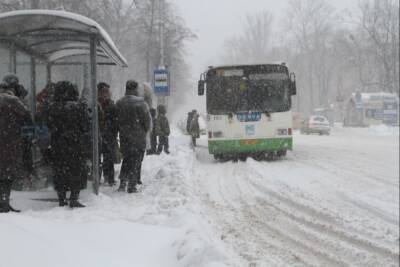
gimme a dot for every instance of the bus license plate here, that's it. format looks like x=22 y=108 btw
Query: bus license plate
x=248 y=142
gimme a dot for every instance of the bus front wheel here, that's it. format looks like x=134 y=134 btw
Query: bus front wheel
x=281 y=153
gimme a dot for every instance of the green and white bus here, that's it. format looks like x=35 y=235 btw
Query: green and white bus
x=248 y=110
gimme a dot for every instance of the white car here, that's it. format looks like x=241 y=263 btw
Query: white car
x=315 y=124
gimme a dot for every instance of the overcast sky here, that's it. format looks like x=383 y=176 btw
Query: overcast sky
x=215 y=20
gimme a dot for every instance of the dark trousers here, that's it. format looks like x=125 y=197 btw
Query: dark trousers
x=163 y=143
x=107 y=166
x=194 y=140
x=131 y=168
x=5 y=191
x=153 y=142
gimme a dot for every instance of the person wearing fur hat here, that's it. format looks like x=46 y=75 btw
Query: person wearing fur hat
x=13 y=117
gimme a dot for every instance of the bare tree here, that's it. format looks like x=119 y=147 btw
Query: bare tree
x=253 y=43
x=309 y=25
x=380 y=20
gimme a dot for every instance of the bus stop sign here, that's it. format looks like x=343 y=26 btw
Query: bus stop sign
x=161 y=82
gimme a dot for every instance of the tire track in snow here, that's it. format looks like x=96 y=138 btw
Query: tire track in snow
x=246 y=228
x=327 y=217
x=326 y=228
x=309 y=249
x=267 y=234
x=370 y=209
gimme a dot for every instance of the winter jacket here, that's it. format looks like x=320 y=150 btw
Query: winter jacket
x=162 y=125
x=194 y=129
x=68 y=122
x=13 y=117
x=109 y=127
x=133 y=121
x=189 y=120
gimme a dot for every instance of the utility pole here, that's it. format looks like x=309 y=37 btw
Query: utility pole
x=162 y=99
x=162 y=63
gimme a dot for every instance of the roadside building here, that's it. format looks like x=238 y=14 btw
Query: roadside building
x=365 y=109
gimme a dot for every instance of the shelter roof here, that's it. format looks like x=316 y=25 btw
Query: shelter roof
x=54 y=36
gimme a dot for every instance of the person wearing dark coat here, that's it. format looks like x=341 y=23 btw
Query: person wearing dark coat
x=194 y=129
x=153 y=134
x=163 y=130
x=68 y=122
x=189 y=120
x=134 y=123
x=109 y=132
x=12 y=81
x=13 y=117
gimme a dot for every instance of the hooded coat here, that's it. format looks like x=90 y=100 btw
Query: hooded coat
x=13 y=117
x=68 y=123
x=162 y=122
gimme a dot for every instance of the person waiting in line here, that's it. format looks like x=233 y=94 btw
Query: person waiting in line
x=27 y=172
x=163 y=130
x=13 y=117
x=134 y=122
x=68 y=122
x=109 y=132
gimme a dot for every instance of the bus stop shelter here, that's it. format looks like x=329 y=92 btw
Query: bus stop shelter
x=60 y=38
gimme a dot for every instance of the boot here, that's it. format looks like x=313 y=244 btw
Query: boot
x=62 y=198
x=73 y=200
x=3 y=199
x=5 y=191
x=132 y=188
x=4 y=207
x=122 y=186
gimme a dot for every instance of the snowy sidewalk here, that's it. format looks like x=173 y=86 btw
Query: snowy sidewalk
x=160 y=226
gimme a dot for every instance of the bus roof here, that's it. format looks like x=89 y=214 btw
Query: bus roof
x=244 y=66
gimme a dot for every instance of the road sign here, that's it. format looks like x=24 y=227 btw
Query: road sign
x=161 y=82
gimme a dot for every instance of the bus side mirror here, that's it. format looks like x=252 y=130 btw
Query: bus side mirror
x=293 y=90
x=200 y=87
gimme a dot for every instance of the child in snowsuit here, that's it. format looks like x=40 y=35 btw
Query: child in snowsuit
x=163 y=130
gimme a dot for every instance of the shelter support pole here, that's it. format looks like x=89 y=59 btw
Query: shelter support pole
x=12 y=66
x=33 y=99
x=95 y=120
x=48 y=73
x=33 y=85
x=85 y=76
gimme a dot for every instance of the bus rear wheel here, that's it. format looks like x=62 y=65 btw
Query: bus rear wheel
x=281 y=153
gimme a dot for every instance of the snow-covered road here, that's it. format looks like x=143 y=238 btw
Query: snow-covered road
x=334 y=201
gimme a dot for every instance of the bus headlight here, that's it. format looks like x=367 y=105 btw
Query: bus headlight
x=217 y=134
x=282 y=132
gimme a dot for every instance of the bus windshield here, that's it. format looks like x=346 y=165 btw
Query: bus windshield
x=243 y=92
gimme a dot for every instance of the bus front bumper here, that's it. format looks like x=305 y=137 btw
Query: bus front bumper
x=249 y=145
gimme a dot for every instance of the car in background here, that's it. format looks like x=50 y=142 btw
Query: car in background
x=315 y=124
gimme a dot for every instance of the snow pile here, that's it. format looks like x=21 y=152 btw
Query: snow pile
x=372 y=131
x=383 y=130
x=163 y=225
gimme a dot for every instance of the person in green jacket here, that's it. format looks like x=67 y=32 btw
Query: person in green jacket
x=163 y=130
